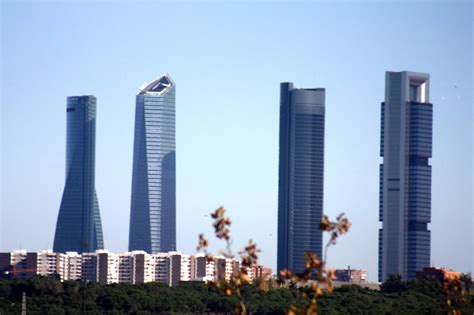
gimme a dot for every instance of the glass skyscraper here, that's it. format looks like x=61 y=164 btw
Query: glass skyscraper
x=79 y=228
x=301 y=170
x=405 y=175
x=153 y=206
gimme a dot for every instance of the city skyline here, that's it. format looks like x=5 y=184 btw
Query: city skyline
x=78 y=226
x=227 y=117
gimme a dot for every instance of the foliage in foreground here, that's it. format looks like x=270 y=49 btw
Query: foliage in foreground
x=49 y=296
x=316 y=278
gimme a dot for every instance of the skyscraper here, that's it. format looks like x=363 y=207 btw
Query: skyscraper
x=301 y=170
x=153 y=207
x=405 y=175
x=79 y=228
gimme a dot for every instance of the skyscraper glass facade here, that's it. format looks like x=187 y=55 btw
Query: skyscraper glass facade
x=301 y=175
x=153 y=205
x=405 y=175
x=79 y=226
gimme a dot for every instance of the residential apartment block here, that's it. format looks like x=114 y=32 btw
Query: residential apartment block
x=351 y=275
x=131 y=267
x=440 y=274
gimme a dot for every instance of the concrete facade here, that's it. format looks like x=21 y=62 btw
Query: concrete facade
x=131 y=267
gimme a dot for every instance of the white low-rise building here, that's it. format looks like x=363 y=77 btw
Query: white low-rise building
x=130 y=267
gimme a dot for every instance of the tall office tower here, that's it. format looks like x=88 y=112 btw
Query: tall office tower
x=79 y=228
x=300 y=191
x=405 y=175
x=153 y=207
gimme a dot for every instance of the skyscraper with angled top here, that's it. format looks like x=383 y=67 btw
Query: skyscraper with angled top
x=153 y=206
x=78 y=228
x=405 y=175
x=301 y=174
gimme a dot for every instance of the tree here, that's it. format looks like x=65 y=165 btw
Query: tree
x=393 y=284
x=466 y=279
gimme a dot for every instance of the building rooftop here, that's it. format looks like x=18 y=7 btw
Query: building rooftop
x=159 y=86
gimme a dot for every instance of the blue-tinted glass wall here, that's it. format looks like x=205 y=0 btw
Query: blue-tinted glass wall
x=301 y=174
x=405 y=175
x=79 y=226
x=153 y=205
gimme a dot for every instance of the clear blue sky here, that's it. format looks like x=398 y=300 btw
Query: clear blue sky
x=228 y=60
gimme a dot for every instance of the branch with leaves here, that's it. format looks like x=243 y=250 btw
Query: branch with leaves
x=316 y=279
x=455 y=291
x=248 y=258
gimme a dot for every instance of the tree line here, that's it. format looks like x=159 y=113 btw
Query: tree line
x=50 y=296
